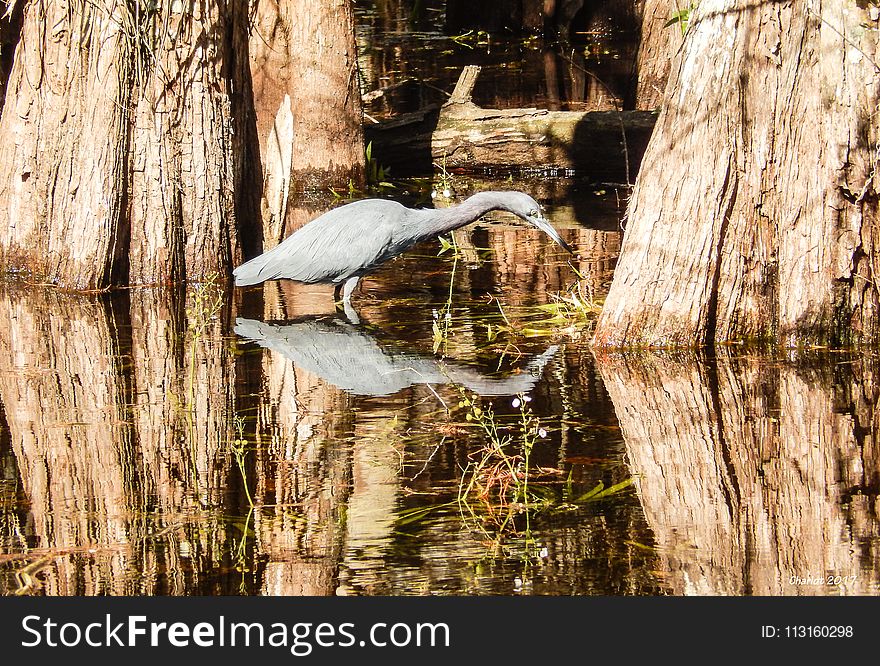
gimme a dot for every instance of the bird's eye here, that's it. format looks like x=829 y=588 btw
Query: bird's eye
x=533 y=212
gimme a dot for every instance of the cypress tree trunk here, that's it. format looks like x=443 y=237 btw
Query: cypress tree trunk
x=755 y=212
x=63 y=144
x=184 y=177
x=120 y=159
x=308 y=103
x=658 y=45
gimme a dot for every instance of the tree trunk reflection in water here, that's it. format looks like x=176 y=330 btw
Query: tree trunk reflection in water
x=183 y=399
x=123 y=468
x=372 y=508
x=753 y=472
x=63 y=396
x=303 y=472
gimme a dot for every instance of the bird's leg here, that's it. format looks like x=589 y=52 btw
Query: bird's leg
x=350 y=285
x=351 y=314
x=347 y=289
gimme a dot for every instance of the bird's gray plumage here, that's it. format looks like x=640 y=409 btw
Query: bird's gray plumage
x=322 y=250
x=350 y=241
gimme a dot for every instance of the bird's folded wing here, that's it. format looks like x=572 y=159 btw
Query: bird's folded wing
x=329 y=249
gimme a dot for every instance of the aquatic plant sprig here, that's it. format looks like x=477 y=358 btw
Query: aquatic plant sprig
x=444 y=186
x=442 y=318
x=505 y=461
x=238 y=446
x=472 y=39
x=530 y=432
x=203 y=305
x=681 y=16
x=239 y=450
x=570 y=312
x=499 y=477
x=377 y=175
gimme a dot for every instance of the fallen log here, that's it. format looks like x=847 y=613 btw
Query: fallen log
x=603 y=146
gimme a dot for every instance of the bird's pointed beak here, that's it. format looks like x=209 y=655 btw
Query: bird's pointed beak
x=544 y=225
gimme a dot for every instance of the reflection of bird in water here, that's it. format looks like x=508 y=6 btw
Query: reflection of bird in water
x=348 y=242
x=352 y=360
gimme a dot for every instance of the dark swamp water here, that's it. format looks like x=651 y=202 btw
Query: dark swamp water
x=224 y=441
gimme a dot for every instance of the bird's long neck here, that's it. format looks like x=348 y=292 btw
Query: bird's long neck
x=440 y=220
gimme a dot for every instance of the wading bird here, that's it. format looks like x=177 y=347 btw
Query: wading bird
x=348 y=242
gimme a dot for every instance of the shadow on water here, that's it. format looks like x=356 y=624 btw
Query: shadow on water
x=585 y=63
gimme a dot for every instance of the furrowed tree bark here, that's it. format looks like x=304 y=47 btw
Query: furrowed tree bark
x=120 y=158
x=658 y=45
x=755 y=213
x=10 y=32
x=63 y=145
x=308 y=104
x=185 y=159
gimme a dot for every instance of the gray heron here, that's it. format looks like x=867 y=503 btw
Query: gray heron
x=350 y=241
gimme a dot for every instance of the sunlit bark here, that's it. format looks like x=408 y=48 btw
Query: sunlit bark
x=308 y=103
x=120 y=158
x=658 y=44
x=184 y=150
x=63 y=145
x=755 y=211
